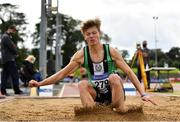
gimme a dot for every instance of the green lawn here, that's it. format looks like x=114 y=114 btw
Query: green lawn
x=162 y=72
x=173 y=73
x=176 y=93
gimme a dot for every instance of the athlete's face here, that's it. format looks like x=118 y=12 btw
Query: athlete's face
x=92 y=36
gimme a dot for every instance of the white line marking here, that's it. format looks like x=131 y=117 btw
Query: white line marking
x=61 y=93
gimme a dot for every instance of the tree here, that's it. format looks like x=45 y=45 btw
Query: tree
x=9 y=16
x=174 y=53
x=125 y=54
x=161 y=57
x=171 y=57
x=105 y=38
x=71 y=37
x=174 y=56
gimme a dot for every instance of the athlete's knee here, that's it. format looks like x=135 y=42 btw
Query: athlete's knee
x=82 y=84
x=115 y=79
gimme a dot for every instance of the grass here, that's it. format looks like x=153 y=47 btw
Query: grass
x=169 y=93
x=163 y=74
x=176 y=93
x=176 y=71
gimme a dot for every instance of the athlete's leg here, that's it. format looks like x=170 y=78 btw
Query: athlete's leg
x=117 y=92
x=87 y=94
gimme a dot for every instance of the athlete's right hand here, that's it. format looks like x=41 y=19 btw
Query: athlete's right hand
x=33 y=83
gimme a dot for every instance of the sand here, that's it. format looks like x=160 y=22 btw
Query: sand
x=168 y=109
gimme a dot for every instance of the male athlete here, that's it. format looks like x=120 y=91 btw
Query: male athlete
x=100 y=60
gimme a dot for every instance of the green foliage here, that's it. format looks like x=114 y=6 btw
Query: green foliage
x=35 y=52
x=174 y=53
x=36 y=35
x=172 y=57
x=71 y=37
x=105 y=38
x=124 y=54
x=10 y=16
x=23 y=53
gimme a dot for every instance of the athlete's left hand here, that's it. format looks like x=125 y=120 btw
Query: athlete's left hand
x=147 y=98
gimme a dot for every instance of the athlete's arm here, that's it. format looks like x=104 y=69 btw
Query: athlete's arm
x=120 y=63
x=74 y=64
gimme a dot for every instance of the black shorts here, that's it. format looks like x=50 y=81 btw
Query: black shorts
x=105 y=98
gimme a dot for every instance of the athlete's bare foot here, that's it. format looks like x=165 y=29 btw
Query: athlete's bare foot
x=121 y=110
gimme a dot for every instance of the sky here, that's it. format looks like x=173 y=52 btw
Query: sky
x=127 y=22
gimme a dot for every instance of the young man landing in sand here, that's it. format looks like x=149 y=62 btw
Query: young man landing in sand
x=100 y=60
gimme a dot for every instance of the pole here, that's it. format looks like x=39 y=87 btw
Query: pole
x=58 y=39
x=155 y=39
x=42 y=50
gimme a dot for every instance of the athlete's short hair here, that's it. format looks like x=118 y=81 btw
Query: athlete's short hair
x=91 y=23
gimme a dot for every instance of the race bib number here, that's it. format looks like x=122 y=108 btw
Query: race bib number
x=101 y=82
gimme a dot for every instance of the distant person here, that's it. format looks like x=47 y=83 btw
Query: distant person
x=50 y=67
x=28 y=71
x=9 y=53
x=100 y=60
x=145 y=54
x=139 y=50
x=146 y=58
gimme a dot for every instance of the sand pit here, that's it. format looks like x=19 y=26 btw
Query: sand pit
x=168 y=109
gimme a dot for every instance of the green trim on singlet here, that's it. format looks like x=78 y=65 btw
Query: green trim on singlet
x=110 y=62
x=87 y=67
